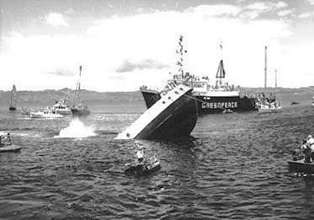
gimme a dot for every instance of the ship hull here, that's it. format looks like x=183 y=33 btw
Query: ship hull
x=76 y=112
x=179 y=120
x=210 y=105
x=171 y=117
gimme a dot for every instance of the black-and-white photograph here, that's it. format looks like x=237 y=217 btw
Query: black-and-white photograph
x=145 y=109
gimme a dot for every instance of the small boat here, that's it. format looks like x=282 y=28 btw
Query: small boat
x=61 y=108
x=227 y=110
x=300 y=166
x=295 y=103
x=79 y=109
x=12 y=106
x=146 y=168
x=269 y=108
x=6 y=148
x=48 y=113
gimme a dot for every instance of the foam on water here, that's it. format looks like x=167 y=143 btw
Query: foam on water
x=77 y=129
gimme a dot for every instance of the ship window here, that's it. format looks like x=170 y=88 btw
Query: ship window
x=127 y=134
x=176 y=92
x=169 y=97
x=163 y=102
x=181 y=89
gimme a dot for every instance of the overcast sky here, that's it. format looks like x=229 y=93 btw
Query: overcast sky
x=123 y=44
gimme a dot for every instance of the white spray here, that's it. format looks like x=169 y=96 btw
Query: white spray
x=77 y=129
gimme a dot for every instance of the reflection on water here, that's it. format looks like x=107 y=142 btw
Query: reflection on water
x=234 y=167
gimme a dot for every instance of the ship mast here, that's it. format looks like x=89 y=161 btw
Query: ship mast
x=276 y=78
x=265 y=69
x=180 y=62
x=221 y=73
x=78 y=86
x=13 y=91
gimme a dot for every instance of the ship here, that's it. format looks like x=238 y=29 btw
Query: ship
x=62 y=108
x=219 y=97
x=270 y=103
x=46 y=113
x=79 y=109
x=12 y=106
x=174 y=115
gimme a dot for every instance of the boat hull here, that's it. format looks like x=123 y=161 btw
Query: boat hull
x=12 y=108
x=76 y=112
x=210 y=105
x=44 y=115
x=140 y=170
x=173 y=116
x=9 y=148
x=300 y=167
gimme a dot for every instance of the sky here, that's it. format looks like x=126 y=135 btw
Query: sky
x=123 y=44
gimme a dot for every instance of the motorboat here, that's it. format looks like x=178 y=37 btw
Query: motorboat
x=145 y=168
x=61 y=108
x=269 y=108
x=6 y=148
x=226 y=111
x=48 y=113
x=299 y=166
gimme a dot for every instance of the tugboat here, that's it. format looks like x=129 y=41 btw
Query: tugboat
x=173 y=115
x=12 y=106
x=217 y=98
x=313 y=101
x=79 y=109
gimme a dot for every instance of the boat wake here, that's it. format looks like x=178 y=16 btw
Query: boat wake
x=77 y=129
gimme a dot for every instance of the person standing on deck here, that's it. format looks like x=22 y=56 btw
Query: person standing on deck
x=310 y=143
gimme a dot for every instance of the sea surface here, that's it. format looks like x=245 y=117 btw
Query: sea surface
x=233 y=167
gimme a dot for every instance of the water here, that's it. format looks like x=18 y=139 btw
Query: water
x=234 y=168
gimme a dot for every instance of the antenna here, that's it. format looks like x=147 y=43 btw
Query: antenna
x=265 y=82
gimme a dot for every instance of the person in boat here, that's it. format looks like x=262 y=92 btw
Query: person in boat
x=310 y=143
x=140 y=156
x=307 y=151
x=5 y=140
x=8 y=139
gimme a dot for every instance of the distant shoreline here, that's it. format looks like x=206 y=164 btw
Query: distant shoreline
x=133 y=91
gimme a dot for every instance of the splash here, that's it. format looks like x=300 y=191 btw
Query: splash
x=77 y=129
